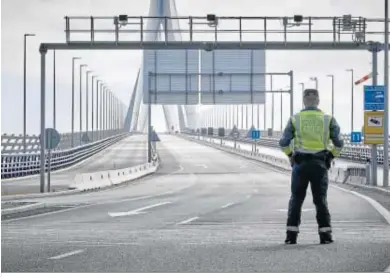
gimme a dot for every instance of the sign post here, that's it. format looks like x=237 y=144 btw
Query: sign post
x=235 y=134
x=254 y=134
x=52 y=139
x=373 y=120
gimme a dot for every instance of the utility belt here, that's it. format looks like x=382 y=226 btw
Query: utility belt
x=303 y=157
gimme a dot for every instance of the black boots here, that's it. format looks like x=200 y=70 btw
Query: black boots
x=325 y=238
x=291 y=238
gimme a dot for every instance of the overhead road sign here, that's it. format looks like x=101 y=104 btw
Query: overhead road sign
x=233 y=76
x=166 y=76
x=373 y=127
x=374 y=97
x=356 y=137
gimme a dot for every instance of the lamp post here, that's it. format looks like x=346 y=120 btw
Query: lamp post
x=92 y=107
x=303 y=89
x=25 y=92
x=315 y=79
x=352 y=85
x=332 y=77
x=386 y=108
x=87 y=101
x=73 y=60
x=54 y=90
x=81 y=101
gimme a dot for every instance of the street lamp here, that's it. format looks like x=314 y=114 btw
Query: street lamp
x=92 y=107
x=352 y=85
x=87 y=101
x=303 y=88
x=25 y=93
x=81 y=100
x=332 y=76
x=315 y=79
x=73 y=59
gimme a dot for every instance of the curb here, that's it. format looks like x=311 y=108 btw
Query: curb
x=39 y=195
x=22 y=208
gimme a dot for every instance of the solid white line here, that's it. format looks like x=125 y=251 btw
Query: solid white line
x=66 y=255
x=227 y=205
x=136 y=211
x=248 y=196
x=377 y=206
x=188 y=220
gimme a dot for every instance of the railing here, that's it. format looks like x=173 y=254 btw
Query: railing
x=351 y=151
x=13 y=144
x=353 y=175
x=282 y=31
x=19 y=165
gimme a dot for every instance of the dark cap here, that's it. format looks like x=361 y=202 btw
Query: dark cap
x=308 y=92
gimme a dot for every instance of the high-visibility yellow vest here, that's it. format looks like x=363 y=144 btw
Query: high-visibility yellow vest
x=312 y=132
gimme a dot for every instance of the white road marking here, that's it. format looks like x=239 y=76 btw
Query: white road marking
x=377 y=206
x=66 y=255
x=188 y=220
x=255 y=190
x=136 y=211
x=243 y=166
x=248 y=196
x=227 y=205
x=202 y=165
x=176 y=171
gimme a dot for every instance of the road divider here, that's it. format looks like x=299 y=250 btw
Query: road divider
x=98 y=180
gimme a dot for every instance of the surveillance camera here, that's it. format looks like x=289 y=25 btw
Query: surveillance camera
x=298 y=18
x=123 y=19
x=212 y=20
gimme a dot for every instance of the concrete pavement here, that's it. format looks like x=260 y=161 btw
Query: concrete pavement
x=205 y=211
x=126 y=153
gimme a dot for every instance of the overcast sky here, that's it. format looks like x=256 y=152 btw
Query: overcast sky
x=118 y=68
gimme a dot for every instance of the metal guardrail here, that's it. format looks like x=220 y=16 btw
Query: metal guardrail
x=353 y=175
x=19 y=165
x=13 y=144
x=356 y=152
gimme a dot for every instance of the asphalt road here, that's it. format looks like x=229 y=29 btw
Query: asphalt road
x=204 y=211
x=126 y=153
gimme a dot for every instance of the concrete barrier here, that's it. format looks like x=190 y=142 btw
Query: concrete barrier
x=97 y=180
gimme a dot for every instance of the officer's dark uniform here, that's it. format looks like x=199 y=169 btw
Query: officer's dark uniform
x=310 y=130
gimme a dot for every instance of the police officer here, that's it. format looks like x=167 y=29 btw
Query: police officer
x=311 y=158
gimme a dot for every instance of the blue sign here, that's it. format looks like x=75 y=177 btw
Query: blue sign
x=374 y=97
x=356 y=137
x=255 y=134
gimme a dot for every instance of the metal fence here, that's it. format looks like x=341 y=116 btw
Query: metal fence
x=19 y=165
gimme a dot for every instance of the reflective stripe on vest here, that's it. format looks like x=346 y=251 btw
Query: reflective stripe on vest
x=313 y=132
